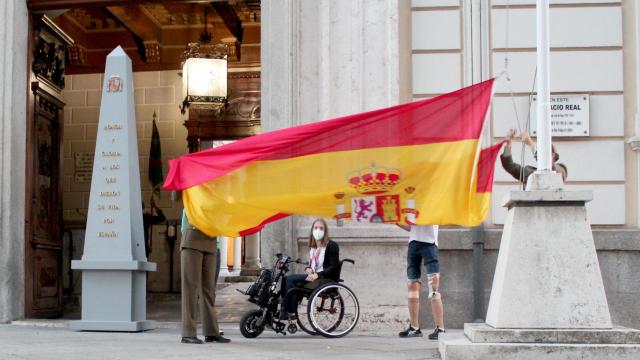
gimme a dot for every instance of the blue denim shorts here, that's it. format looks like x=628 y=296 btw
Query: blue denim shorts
x=418 y=252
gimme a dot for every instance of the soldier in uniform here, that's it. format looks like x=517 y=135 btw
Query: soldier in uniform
x=198 y=269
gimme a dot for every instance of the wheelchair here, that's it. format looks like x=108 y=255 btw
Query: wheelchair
x=330 y=309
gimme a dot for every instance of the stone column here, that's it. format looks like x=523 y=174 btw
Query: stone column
x=634 y=141
x=224 y=246
x=13 y=119
x=251 y=255
x=324 y=59
x=237 y=255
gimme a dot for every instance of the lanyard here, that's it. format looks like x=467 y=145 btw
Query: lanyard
x=314 y=259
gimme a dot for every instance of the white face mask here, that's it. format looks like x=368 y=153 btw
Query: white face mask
x=318 y=234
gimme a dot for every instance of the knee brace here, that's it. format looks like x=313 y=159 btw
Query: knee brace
x=434 y=294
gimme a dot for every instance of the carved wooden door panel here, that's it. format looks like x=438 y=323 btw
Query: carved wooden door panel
x=44 y=215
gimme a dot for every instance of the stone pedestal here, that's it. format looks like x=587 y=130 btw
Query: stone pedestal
x=547 y=298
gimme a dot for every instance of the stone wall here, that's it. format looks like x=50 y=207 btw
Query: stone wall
x=379 y=275
x=452 y=44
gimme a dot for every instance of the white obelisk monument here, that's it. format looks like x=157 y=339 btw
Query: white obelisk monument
x=114 y=264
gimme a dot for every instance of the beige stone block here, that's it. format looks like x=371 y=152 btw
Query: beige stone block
x=145 y=113
x=165 y=129
x=139 y=128
x=179 y=96
x=146 y=193
x=67 y=115
x=181 y=133
x=66 y=182
x=168 y=150
x=72 y=200
x=164 y=201
x=143 y=147
x=67 y=167
x=143 y=134
x=146 y=78
x=75 y=98
x=86 y=82
x=86 y=115
x=170 y=78
x=91 y=131
x=174 y=149
x=173 y=212
x=143 y=161
x=73 y=132
x=82 y=146
x=159 y=95
x=79 y=187
x=93 y=97
x=171 y=113
x=85 y=199
x=66 y=148
x=68 y=215
x=138 y=95
x=145 y=184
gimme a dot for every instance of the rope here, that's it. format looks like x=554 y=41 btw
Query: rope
x=506 y=73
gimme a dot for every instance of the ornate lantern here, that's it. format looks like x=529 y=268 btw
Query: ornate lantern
x=204 y=73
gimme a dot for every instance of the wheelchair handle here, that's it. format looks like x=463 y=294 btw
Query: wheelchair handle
x=348 y=260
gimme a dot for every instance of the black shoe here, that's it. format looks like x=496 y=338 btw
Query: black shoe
x=219 y=339
x=191 y=340
x=410 y=332
x=435 y=333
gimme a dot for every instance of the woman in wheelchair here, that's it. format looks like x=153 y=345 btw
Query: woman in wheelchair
x=317 y=302
x=324 y=266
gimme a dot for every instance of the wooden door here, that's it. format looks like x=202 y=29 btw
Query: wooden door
x=43 y=218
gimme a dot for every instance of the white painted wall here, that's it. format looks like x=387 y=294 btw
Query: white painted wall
x=587 y=57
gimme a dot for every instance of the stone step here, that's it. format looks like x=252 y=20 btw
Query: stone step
x=239 y=279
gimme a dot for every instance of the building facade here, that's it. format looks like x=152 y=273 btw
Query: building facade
x=328 y=58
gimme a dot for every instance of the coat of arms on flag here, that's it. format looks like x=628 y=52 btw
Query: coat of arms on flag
x=383 y=207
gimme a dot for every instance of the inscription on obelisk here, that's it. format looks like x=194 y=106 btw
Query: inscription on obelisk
x=113 y=262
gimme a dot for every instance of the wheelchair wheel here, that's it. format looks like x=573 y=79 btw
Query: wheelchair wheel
x=248 y=325
x=303 y=319
x=333 y=310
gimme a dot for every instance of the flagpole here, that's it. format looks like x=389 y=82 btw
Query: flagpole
x=543 y=113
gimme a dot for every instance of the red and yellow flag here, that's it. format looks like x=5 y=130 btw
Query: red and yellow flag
x=419 y=162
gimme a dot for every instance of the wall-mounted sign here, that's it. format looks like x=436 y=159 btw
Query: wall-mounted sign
x=83 y=167
x=569 y=115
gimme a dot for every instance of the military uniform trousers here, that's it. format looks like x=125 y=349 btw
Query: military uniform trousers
x=198 y=268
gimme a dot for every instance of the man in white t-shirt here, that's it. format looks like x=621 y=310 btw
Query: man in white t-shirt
x=423 y=247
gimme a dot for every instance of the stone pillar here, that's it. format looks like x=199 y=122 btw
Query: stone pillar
x=634 y=141
x=224 y=267
x=324 y=59
x=237 y=255
x=251 y=255
x=13 y=119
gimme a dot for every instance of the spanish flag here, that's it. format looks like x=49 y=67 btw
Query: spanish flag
x=415 y=163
